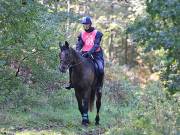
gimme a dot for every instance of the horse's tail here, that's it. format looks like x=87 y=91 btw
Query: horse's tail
x=92 y=97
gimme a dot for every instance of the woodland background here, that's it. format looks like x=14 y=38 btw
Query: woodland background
x=141 y=46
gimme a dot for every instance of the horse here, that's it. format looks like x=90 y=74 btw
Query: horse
x=83 y=79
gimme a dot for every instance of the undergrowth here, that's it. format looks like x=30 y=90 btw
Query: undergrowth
x=45 y=107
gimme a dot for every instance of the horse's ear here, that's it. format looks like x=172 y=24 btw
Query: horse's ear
x=60 y=45
x=66 y=44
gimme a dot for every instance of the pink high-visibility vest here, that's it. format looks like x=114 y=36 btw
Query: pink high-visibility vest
x=88 y=39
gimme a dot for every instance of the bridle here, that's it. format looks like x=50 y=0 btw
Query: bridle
x=73 y=65
x=70 y=66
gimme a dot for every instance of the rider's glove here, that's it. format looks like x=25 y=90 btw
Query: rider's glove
x=87 y=54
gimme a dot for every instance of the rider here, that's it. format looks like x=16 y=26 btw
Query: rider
x=89 y=45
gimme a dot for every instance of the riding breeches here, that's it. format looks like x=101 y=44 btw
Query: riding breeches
x=100 y=62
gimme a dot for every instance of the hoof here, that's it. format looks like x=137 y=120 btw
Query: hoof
x=97 y=120
x=96 y=123
x=85 y=122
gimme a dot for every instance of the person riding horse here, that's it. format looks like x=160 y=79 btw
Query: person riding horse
x=89 y=46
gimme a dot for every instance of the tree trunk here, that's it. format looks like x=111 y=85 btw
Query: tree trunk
x=110 y=45
x=126 y=49
x=56 y=5
x=132 y=58
x=68 y=23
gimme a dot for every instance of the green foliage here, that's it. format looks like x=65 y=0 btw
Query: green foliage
x=27 y=30
x=152 y=113
x=161 y=113
x=160 y=30
x=29 y=39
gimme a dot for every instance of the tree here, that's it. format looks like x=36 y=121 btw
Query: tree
x=159 y=30
x=29 y=36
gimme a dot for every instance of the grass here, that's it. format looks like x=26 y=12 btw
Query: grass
x=42 y=120
x=64 y=119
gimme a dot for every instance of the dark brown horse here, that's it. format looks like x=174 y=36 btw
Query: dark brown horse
x=83 y=79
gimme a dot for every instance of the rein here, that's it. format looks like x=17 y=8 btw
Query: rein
x=70 y=66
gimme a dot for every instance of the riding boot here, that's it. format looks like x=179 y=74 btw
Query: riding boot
x=69 y=85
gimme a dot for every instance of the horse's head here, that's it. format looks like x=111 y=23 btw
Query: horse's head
x=65 y=57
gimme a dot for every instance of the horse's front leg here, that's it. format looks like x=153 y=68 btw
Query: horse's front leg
x=85 y=118
x=85 y=104
x=79 y=100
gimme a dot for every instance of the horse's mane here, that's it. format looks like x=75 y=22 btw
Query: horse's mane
x=77 y=54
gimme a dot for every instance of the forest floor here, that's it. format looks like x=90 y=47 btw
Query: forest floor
x=44 y=121
x=65 y=120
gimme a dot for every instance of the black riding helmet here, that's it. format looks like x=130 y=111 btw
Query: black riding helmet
x=86 y=20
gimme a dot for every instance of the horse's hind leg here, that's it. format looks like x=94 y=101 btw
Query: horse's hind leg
x=98 y=105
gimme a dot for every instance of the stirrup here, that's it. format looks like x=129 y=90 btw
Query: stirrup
x=69 y=86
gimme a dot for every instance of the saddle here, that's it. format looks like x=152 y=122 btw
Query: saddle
x=96 y=67
x=97 y=73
